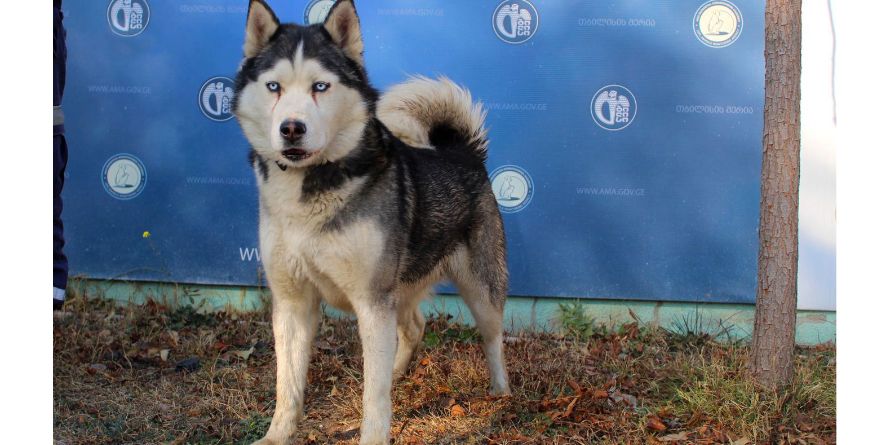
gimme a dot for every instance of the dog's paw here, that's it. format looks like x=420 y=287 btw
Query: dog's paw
x=500 y=392
x=273 y=437
x=374 y=434
x=380 y=440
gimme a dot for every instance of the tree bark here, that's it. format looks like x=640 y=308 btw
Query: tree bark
x=775 y=318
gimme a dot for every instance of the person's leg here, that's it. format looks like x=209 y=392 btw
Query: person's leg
x=59 y=158
x=59 y=260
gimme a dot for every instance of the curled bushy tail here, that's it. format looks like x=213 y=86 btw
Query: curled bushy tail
x=437 y=113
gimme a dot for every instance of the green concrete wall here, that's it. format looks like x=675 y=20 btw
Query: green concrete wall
x=728 y=321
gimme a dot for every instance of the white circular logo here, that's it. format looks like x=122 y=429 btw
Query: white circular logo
x=128 y=18
x=317 y=10
x=124 y=176
x=515 y=21
x=614 y=107
x=216 y=98
x=717 y=23
x=512 y=187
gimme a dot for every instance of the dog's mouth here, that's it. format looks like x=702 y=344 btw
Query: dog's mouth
x=296 y=154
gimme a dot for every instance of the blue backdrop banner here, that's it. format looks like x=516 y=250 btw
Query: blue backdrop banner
x=625 y=136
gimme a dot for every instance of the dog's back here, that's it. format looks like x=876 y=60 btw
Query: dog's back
x=447 y=201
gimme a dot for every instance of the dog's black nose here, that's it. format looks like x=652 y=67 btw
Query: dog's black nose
x=292 y=129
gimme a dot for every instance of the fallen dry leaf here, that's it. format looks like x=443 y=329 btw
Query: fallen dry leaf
x=575 y=386
x=676 y=437
x=654 y=423
x=805 y=423
x=569 y=409
x=244 y=355
x=627 y=399
x=173 y=335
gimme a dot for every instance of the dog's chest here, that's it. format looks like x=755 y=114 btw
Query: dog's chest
x=295 y=240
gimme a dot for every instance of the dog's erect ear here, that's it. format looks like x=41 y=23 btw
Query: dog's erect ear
x=344 y=27
x=261 y=24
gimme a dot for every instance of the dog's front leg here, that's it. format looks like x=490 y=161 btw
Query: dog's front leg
x=295 y=318
x=378 y=333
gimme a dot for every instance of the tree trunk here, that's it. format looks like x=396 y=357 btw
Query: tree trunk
x=776 y=312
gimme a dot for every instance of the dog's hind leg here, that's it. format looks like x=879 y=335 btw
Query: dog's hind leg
x=483 y=288
x=488 y=317
x=296 y=313
x=377 y=324
x=410 y=328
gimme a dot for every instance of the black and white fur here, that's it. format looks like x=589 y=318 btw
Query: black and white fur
x=365 y=203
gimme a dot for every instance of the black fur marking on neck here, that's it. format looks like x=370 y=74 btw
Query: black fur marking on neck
x=367 y=158
x=256 y=159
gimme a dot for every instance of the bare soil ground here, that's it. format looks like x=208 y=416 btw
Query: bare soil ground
x=149 y=374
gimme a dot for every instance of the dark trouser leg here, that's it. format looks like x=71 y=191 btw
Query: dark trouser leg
x=59 y=154
x=60 y=261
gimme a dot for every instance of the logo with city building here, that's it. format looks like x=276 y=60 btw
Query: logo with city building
x=216 y=98
x=128 y=18
x=515 y=21
x=613 y=107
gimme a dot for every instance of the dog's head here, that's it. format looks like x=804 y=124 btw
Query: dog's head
x=303 y=96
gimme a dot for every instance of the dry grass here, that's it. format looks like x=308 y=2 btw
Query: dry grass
x=629 y=385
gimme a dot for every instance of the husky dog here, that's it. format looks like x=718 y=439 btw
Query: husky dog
x=365 y=203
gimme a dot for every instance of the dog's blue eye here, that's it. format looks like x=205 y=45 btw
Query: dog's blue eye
x=320 y=87
x=273 y=86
